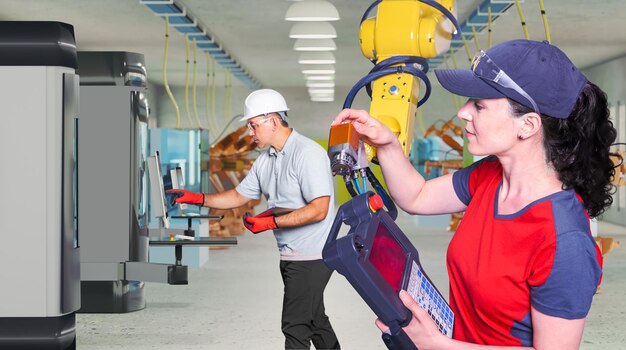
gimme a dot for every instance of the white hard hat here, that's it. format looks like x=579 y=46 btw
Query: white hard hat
x=263 y=101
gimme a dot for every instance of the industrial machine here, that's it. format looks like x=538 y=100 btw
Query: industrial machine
x=114 y=187
x=40 y=250
x=113 y=192
x=375 y=256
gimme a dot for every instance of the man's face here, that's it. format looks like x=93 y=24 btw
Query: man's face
x=260 y=128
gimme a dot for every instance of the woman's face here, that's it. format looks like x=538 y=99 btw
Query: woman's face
x=490 y=127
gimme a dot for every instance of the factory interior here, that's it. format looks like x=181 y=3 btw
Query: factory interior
x=117 y=100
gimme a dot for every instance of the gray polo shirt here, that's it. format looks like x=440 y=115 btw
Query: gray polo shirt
x=292 y=178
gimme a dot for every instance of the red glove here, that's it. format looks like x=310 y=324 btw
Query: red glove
x=259 y=223
x=183 y=196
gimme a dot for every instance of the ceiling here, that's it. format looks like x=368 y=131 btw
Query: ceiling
x=256 y=35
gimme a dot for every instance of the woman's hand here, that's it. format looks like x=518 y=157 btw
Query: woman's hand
x=422 y=329
x=372 y=131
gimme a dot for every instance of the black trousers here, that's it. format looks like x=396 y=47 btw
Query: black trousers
x=304 y=319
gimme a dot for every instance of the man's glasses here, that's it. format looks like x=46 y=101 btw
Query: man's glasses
x=253 y=126
x=484 y=67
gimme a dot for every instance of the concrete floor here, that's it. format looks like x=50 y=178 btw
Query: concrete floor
x=234 y=302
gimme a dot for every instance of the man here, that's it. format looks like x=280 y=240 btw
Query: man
x=293 y=173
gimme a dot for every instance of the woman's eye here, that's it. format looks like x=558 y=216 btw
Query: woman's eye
x=477 y=106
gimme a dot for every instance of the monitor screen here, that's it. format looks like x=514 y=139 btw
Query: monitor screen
x=388 y=257
x=157 y=191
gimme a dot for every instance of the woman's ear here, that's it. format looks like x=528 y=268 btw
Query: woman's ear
x=531 y=125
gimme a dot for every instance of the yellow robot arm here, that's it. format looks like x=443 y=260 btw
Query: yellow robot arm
x=411 y=28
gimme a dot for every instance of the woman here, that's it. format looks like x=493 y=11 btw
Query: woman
x=522 y=265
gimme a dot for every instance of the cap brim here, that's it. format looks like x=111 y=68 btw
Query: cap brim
x=463 y=82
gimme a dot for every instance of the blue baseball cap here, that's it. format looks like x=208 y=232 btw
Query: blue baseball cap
x=543 y=77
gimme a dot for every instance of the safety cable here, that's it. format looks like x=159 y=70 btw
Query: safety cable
x=213 y=115
x=195 y=104
x=489 y=31
x=458 y=99
x=467 y=50
x=545 y=21
x=207 y=94
x=521 y=18
x=475 y=34
x=230 y=95
x=167 y=86
x=226 y=106
x=207 y=97
x=226 y=128
x=187 y=113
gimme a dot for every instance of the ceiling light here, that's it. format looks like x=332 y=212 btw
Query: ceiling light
x=312 y=10
x=319 y=77
x=316 y=58
x=314 y=45
x=313 y=30
x=314 y=91
x=322 y=99
x=320 y=84
x=319 y=69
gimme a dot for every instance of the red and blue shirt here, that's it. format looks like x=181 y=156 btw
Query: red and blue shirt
x=500 y=265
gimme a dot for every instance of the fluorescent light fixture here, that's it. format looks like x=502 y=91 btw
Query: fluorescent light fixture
x=318 y=69
x=312 y=10
x=318 y=91
x=316 y=58
x=314 y=45
x=319 y=77
x=320 y=84
x=322 y=99
x=312 y=30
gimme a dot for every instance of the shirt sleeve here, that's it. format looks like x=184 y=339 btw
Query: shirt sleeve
x=250 y=186
x=314 y=174
x=464 y=180
x=572 y=280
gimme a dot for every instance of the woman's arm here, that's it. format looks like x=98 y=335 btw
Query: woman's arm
x=407 y=186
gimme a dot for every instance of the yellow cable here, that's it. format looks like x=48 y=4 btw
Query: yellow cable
x=213 y=114
x=230 y=98
x=195 y=105
x=521 y=18
x=225 y=97
x=187 y=113
x=457 y=99
x=475 y=38
x=489 y=39
x=545 y=21
x=467 y=51
x=167 y=86
x=207 y=106
x=454 y=97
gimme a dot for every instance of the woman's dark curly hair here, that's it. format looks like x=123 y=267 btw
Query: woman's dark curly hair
x=578 y=148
